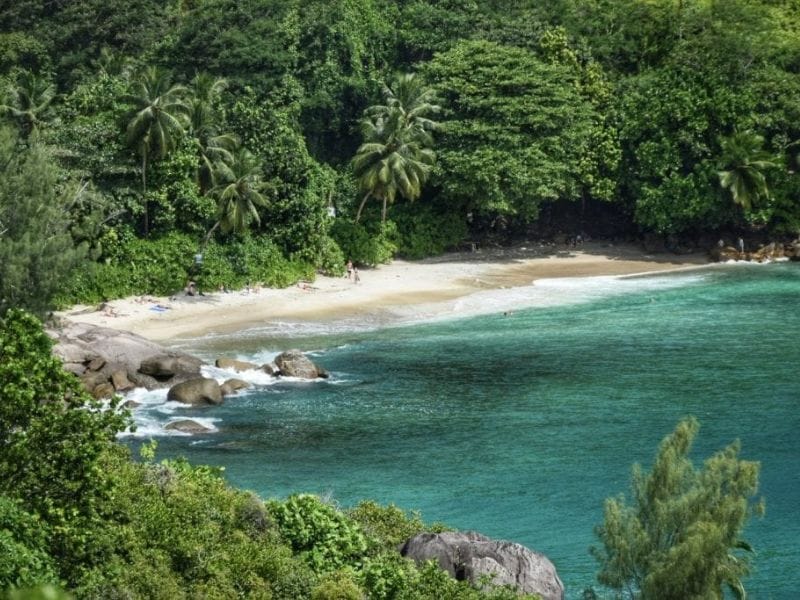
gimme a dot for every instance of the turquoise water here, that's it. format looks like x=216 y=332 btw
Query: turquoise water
x=520 y=426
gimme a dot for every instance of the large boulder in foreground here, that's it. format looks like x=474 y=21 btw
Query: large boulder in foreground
x=294 y=363
x=470 y=556
x=198 y=392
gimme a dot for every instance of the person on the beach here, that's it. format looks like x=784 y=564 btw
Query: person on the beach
x=350 y=269
x=740 y=245
x=356 y=276
x=191 y=288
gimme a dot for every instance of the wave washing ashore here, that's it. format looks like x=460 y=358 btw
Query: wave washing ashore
x=400 y=291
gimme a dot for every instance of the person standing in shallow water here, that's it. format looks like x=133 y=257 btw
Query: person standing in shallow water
x=350 y=269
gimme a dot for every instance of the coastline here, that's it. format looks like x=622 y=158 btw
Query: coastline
x=429 y=287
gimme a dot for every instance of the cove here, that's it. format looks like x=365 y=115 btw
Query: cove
x=520 y=425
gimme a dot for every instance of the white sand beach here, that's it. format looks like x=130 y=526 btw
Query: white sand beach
x=432 y=283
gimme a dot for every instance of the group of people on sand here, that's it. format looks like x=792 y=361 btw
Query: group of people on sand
x=352 y=272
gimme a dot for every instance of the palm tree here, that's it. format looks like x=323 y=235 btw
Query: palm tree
x=157 y=122
x=239 y=194
x=27 y=101
x=385 y=165
x=213 y=148
x=396 y=155
x=743 y=164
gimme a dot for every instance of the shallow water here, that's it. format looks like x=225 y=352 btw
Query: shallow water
x=519 y=426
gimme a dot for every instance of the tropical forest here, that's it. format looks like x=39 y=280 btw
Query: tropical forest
x=162 y=148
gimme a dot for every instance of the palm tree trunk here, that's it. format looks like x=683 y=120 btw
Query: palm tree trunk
x=144 y=193
x=383 y=211
x=208 y=237
x=360 y=208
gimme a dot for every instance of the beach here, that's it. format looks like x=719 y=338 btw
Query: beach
x=431 y=286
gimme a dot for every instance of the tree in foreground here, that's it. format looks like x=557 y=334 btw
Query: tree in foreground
x=681 y=536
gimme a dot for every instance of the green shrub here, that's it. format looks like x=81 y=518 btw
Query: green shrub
x=366 y=244
x=24 y=561
x=423 y=232
x=339 y=585
x=388 y=526
x=162 y=266
x=325 y=537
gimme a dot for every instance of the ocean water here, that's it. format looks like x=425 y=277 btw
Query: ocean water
x=519 y=425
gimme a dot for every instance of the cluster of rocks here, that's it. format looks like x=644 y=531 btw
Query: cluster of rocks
x=764 y=253
x=470 y=556
x=108 y=361
x=199 y=391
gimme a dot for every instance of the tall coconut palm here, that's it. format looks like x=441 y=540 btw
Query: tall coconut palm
x=158 y=120
x=742 y=164
x=239 y=194
x=385 y=164
x=396 y=156
x=212 y=146
x=27 y=101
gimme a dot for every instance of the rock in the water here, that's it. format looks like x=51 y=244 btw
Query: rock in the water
x=231 y=386
x=198 y=391
x=236 y=365
x=268 y=369
x=470 y=555
x=294 y=363
x=187 y=426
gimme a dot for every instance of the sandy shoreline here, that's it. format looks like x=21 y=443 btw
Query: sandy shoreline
x=432 y=283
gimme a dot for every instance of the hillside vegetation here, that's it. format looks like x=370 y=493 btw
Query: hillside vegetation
x=139 y=134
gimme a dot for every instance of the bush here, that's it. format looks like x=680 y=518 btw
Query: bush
x=422 y=232
x=24 y=561
x=162 y=266
x=366 y=244
x=325 y=537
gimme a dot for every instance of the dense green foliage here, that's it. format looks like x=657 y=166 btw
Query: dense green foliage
x=681 y=536
x=215 y=117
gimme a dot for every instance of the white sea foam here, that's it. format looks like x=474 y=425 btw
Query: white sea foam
x=559 y=292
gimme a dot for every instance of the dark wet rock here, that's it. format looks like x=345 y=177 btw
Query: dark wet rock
x=198 y=391
x=294 y=363
x=470 y=556
x=268 y=369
